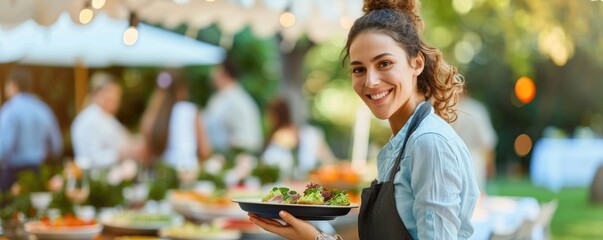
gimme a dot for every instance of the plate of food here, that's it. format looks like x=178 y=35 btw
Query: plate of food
x=314 y=203
x=140 y=223
x=63 y=228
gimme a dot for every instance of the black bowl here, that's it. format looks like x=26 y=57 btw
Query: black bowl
x=301 y=211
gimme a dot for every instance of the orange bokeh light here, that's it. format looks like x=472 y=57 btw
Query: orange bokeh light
x=522 y=145
x=525 y=90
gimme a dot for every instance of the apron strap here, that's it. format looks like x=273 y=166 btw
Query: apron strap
x=421 y=113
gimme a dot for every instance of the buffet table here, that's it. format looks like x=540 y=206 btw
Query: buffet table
x=495 y=217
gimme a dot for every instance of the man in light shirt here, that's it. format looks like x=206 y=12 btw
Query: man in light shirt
x=99 y=139
x=29 y=132
x=232 y=118
x=473 y=125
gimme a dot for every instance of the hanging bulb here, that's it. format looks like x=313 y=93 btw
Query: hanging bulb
x=287 y=19
x=131 y=34
x=86 y=15
x=98 y=4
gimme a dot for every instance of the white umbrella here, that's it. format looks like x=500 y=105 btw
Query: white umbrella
x=100 y=44
x=319 y=19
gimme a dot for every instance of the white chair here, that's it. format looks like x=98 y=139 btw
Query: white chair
x=541 y=229
x=536 y=229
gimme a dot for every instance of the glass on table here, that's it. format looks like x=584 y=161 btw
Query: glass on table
x=77 y=188
x=40 y=201
x=188 y=174
x=86 y=213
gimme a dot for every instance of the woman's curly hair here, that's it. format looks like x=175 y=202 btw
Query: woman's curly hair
x=439 y=82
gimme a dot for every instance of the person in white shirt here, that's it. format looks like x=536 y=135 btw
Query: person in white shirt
x=99 y=140
x=295 y=149
x=473 y=125
x=172 y=126
x=232 y=117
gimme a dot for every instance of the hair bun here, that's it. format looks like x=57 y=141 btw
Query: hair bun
x=406 y=6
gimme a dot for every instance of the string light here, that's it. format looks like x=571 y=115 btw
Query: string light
x=86 y=14
x=131 y=34
x=287 y=19
x=98 y=4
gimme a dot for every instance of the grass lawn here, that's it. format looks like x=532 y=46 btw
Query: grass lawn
x=575 y=218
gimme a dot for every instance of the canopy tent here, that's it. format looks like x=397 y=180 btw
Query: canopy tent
x=100 y=44
x=318 y=19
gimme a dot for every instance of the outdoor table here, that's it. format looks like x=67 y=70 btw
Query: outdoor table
x=559 y=163
x=499 y=217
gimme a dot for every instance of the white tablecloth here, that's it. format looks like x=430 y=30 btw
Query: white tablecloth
x=502 y=216
x=558 y=163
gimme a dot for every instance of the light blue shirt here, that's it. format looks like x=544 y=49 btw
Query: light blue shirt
x=28 y=132
x=232 y=120
x=435 y=189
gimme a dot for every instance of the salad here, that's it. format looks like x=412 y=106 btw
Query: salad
x=314 y=194
x=142 y=219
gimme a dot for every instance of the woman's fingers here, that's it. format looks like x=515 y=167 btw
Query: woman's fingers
x=303 y=229
x=273 y=226
x=265 y=220
x=290 y=219
x=293 y=229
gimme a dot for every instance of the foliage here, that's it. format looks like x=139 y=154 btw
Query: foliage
x=257 y=60
x=217 y=179
x=103 y=194
x=30 y=181
x=62 y=203
x=18 y=200
x=165 y=178
x=557 y=43
x=12 y=205
x=266 y=173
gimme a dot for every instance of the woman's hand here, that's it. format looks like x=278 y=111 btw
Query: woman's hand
x=295 y=229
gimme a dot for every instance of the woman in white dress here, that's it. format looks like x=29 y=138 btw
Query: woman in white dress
x=172 y=126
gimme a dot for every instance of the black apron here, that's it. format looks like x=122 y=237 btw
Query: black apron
x=379 y=218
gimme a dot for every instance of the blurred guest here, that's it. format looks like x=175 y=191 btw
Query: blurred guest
x=172 y=126
x=295 y=149
x=232 y=116
x=473 y=125
x=99 y=139
x=30 y=133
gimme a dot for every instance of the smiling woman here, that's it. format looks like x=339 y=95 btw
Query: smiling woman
x=425 y=187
